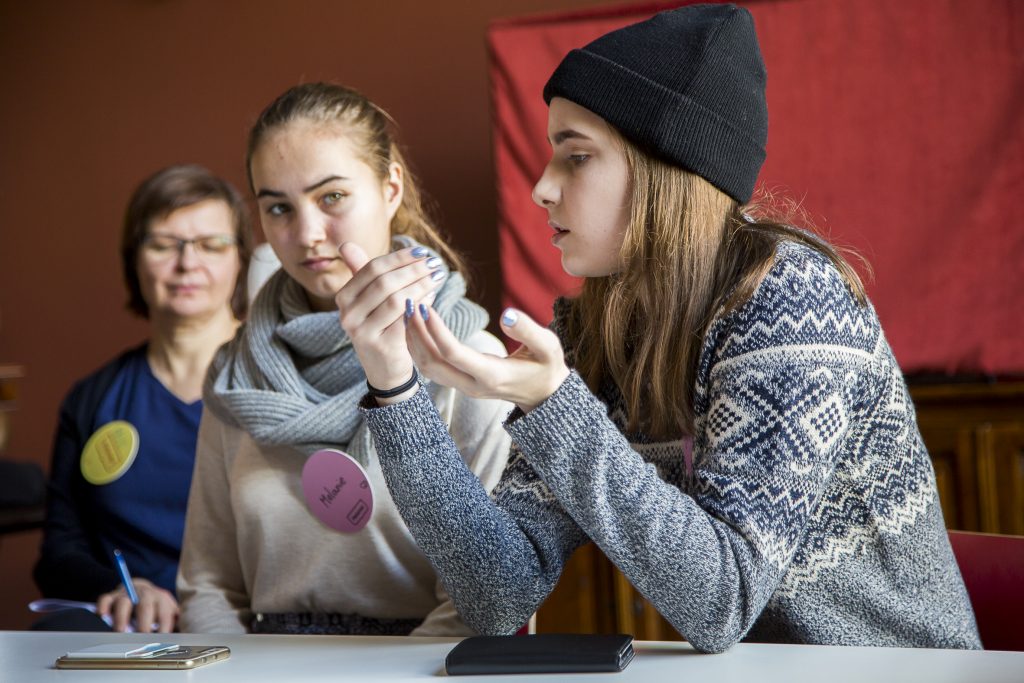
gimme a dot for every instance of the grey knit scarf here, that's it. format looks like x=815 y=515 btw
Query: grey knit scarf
x=290 y=377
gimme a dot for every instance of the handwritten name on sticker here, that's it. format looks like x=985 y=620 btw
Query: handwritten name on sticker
x=330 y=494
x=337 y=490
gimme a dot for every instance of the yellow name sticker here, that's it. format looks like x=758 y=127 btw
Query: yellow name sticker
x=109 y=452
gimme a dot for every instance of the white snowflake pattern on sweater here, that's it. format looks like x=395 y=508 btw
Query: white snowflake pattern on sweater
x=811 y=516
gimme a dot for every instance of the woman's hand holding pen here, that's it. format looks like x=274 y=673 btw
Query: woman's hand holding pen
x=372 y=305
x=157 y=607
x=527 y=377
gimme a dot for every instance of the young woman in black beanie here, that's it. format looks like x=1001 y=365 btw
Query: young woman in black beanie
x=718 y=409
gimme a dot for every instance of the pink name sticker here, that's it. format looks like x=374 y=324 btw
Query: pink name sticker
x=337 y=490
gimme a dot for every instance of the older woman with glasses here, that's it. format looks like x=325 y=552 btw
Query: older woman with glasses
x=126 y=438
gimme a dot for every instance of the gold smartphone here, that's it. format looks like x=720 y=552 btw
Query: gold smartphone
x=184 y=657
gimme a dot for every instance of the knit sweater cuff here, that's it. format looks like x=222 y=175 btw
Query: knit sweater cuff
x=410 y=426
x=563 y=419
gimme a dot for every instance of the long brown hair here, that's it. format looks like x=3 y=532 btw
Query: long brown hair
x=371 y=130
x=690 y=252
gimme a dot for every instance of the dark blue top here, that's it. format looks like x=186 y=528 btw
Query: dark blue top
x=142 y=512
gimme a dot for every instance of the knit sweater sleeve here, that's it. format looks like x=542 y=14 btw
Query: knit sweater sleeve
x=476 y=433
x=779 y=382
x=498 y=558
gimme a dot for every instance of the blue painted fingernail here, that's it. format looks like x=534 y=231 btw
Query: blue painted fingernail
x=509 y=317
x=419 y=252
x=424 y=312
x=434 y=262
x=437 y=275
x=408 y=309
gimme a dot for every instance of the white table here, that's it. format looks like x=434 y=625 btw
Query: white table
x=26 y=657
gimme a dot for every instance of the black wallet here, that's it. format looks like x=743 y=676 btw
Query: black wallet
x=540 y=653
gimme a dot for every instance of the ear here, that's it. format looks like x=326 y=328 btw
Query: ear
x=394 y=187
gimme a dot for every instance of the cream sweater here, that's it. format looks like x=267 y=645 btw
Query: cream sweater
x=251 y=545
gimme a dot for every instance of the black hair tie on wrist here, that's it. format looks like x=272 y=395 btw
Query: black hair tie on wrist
x=400 y=389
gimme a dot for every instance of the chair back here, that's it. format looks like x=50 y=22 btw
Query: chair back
x=993 y=569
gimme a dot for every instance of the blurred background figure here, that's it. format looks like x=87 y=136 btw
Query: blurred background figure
x=126 y=436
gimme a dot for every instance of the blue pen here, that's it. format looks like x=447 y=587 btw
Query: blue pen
x=126 y=578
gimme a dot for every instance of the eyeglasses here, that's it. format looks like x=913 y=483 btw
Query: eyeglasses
x=164 y=247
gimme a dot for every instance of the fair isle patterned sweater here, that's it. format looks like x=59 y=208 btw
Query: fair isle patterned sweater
x=811 y=514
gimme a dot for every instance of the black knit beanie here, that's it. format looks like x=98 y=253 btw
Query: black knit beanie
x=686 y=85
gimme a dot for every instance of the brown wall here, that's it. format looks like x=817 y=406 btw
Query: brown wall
x=95 y=95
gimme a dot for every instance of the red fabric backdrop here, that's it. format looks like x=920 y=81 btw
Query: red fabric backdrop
x=898 y=125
